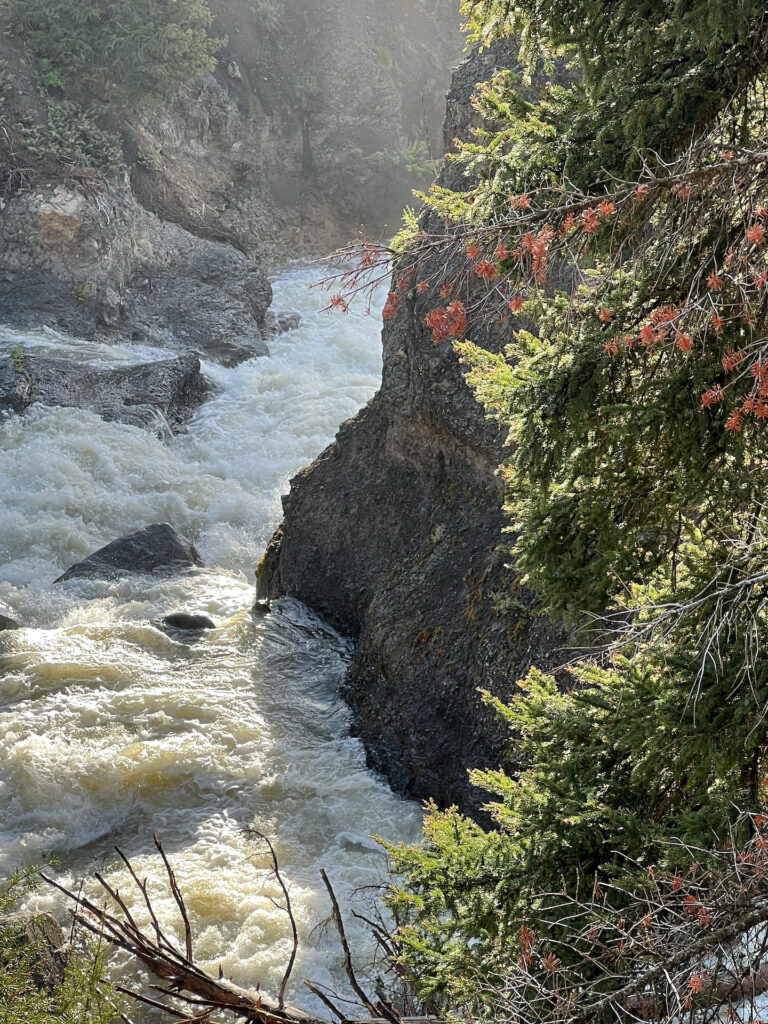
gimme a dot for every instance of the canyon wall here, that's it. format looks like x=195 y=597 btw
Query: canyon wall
x=394 y=535
x=317 y=119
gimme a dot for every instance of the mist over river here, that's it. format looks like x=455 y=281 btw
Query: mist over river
x=110 y=730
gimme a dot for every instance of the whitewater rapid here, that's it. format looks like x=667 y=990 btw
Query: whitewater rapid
x=110 y=730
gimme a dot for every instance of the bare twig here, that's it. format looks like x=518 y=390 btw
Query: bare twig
x=289 y=911
x=348 y=967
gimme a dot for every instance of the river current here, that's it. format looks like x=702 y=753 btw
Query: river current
x=110 y=730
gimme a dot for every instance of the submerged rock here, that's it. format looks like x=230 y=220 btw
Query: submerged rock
x=7 y=620
x=148 y=550
x=188 y=623
x=160 y=395
x=281 y=323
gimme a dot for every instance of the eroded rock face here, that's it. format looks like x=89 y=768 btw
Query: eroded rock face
x=159 y=396
x=393 y=534
x=307 y=128
x=154 y=548
x=101 y=267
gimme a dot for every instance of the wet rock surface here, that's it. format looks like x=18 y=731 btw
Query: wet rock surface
x=102 y=268
x=159 y=396
x=190 y=623
x=281 y=323
x=8 y=618
x=394 y=535
x=154 y=548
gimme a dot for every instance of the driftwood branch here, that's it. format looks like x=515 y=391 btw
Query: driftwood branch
x=348 y=968
x=169 y=964
x=187 y=983
x=177 y=896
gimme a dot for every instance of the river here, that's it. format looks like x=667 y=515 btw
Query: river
x=110 y=730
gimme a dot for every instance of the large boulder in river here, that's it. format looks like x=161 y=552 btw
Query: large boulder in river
x=7 y=620
x=160 y=395
x=154 y=548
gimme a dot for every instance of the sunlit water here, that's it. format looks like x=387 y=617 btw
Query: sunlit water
x=111 y=731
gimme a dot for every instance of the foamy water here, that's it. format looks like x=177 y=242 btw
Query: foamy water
x=111 y=730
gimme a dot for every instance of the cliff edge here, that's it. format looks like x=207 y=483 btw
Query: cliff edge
x=393 y=535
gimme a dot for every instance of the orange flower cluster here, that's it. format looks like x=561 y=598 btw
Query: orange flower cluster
x=485 y=269
x=535 y=247
x=684 y=342
x=731 y=360
x=391 y=305
x=712 y=397
x=590 y=221
x=447 y=322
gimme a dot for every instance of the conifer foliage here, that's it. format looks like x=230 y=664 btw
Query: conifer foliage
x=615 y=223
x=138 y=48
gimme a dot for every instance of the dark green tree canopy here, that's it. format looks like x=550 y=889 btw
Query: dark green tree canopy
x=621 y=208
x=138 y=48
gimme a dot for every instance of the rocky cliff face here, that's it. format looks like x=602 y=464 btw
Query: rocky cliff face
x=99 y=265
x=318 y=118
x=393 y=534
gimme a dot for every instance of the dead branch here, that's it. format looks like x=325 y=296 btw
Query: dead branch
x=186 y=982
x=375 y=1009
x=166 y=962
x=289 y=911
x=177 y=897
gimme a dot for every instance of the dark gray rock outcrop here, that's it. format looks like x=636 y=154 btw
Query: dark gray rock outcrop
x=7 y=618
x=103 y=268
x=159 y=395
x=394 y=535
x=154 y=548
x=188 y=623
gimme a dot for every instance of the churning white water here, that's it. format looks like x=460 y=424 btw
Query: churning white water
x=110 y=730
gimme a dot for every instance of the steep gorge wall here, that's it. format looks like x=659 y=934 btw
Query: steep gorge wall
x=315 y=120
x=393 y=534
